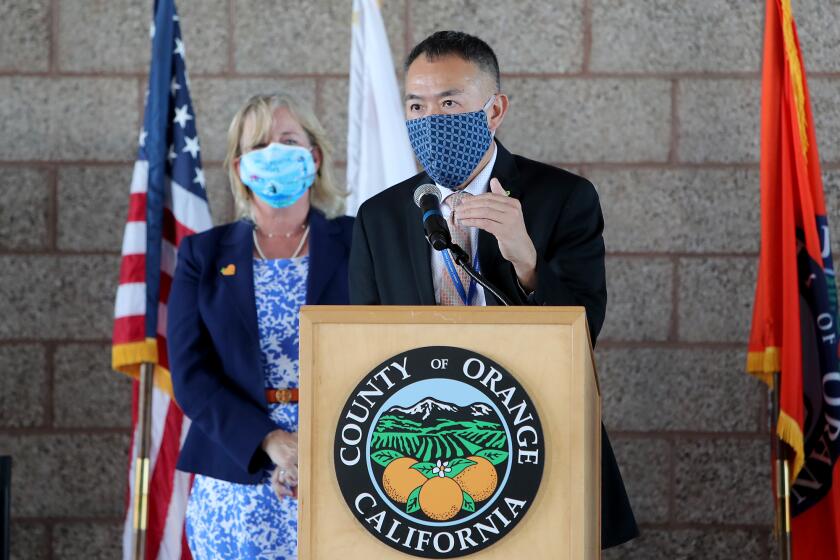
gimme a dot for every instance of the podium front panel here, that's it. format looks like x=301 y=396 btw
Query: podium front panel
x=547 y=351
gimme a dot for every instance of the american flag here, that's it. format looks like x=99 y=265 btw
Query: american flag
x=167 y=202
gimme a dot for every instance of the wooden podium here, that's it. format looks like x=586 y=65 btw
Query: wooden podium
x=548 y=352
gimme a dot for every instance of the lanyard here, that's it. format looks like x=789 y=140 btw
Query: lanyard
x=466 y=297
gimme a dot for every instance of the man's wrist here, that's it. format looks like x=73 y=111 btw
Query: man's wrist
x=527 y=285
x=526 y=275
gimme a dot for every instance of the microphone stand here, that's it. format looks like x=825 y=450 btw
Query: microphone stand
x=463 y=260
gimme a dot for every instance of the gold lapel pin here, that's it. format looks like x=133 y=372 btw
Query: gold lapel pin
x=229 y=270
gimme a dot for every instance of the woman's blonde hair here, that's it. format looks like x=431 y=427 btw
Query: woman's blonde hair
x=325 y=194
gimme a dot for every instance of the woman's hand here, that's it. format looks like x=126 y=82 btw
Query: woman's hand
x=280 y=487
x=281 y=447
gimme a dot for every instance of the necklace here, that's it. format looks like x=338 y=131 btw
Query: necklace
x=276 y=234
x=295 y=254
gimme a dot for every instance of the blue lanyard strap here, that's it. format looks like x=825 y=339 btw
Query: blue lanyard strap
x=466 y=297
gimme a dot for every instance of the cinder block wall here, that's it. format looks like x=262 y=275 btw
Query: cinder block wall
x=657 y=101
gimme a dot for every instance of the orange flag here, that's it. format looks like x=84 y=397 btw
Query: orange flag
x=794 y=328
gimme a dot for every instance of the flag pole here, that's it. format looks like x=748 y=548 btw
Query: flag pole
x=782 y=478
x=141 y=468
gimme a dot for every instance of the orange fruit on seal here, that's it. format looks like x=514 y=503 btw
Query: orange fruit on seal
x=399 y=479
x=479 y=480
x=441 y=498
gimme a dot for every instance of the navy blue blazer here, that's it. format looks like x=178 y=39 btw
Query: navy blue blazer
x=213 y=341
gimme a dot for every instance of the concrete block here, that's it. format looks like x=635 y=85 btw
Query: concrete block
x=92 y=207
x=92 y=541
x=826 y=112
x=68 y=118
x=22 y=385
x=217 y=100
x=206 y=34
x=709 y=544
x=772 y=545
x=218 y=194
x=819 y=35
x=290 y=37
x=640 y=299
x=719 y=120
x=25 y=36
x=87 y=392
x=723 y=481
x=681 y=210
x=529 y=36
x=29 y=541
x=586 y=120
x=644 y=465
x=340 y=174
x=85 y=474
x=663 y=389
x=333 y=114
x=716 y=298
x=68 y=297
x=104 y=36
x=24 y=210
x=113 y=36
x=666 y=36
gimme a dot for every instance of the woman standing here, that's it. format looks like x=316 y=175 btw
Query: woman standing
x=233 y=329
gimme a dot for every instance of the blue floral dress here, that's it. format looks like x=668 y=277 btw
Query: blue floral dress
x=228 y=520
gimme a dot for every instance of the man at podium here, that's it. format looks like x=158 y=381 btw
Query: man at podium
x=532 y=230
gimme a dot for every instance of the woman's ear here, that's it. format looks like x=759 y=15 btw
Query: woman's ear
x=317 y=156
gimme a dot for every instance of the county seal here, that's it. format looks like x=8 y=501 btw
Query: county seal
x=439 y=452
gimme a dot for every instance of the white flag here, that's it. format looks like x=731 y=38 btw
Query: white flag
x=378 y=151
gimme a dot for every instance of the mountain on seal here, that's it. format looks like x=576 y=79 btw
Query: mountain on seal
x=439 y=409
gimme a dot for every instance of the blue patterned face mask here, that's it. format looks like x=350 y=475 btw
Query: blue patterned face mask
x=450 y=146
x=278 y=174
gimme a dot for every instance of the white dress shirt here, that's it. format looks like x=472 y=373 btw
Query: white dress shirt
x=479 y=185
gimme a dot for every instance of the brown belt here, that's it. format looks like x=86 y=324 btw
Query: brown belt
x=281 y=395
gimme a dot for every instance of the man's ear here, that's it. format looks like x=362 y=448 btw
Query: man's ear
x=498 y=110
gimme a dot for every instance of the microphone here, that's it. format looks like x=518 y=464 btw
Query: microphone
x=427 y=198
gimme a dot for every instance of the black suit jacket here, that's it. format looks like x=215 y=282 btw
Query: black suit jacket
x=390 y=264
x=391 y=260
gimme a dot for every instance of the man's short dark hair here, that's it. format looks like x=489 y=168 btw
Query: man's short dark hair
x=470 y=48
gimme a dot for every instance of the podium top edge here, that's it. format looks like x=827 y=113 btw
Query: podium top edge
x=424 y=314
